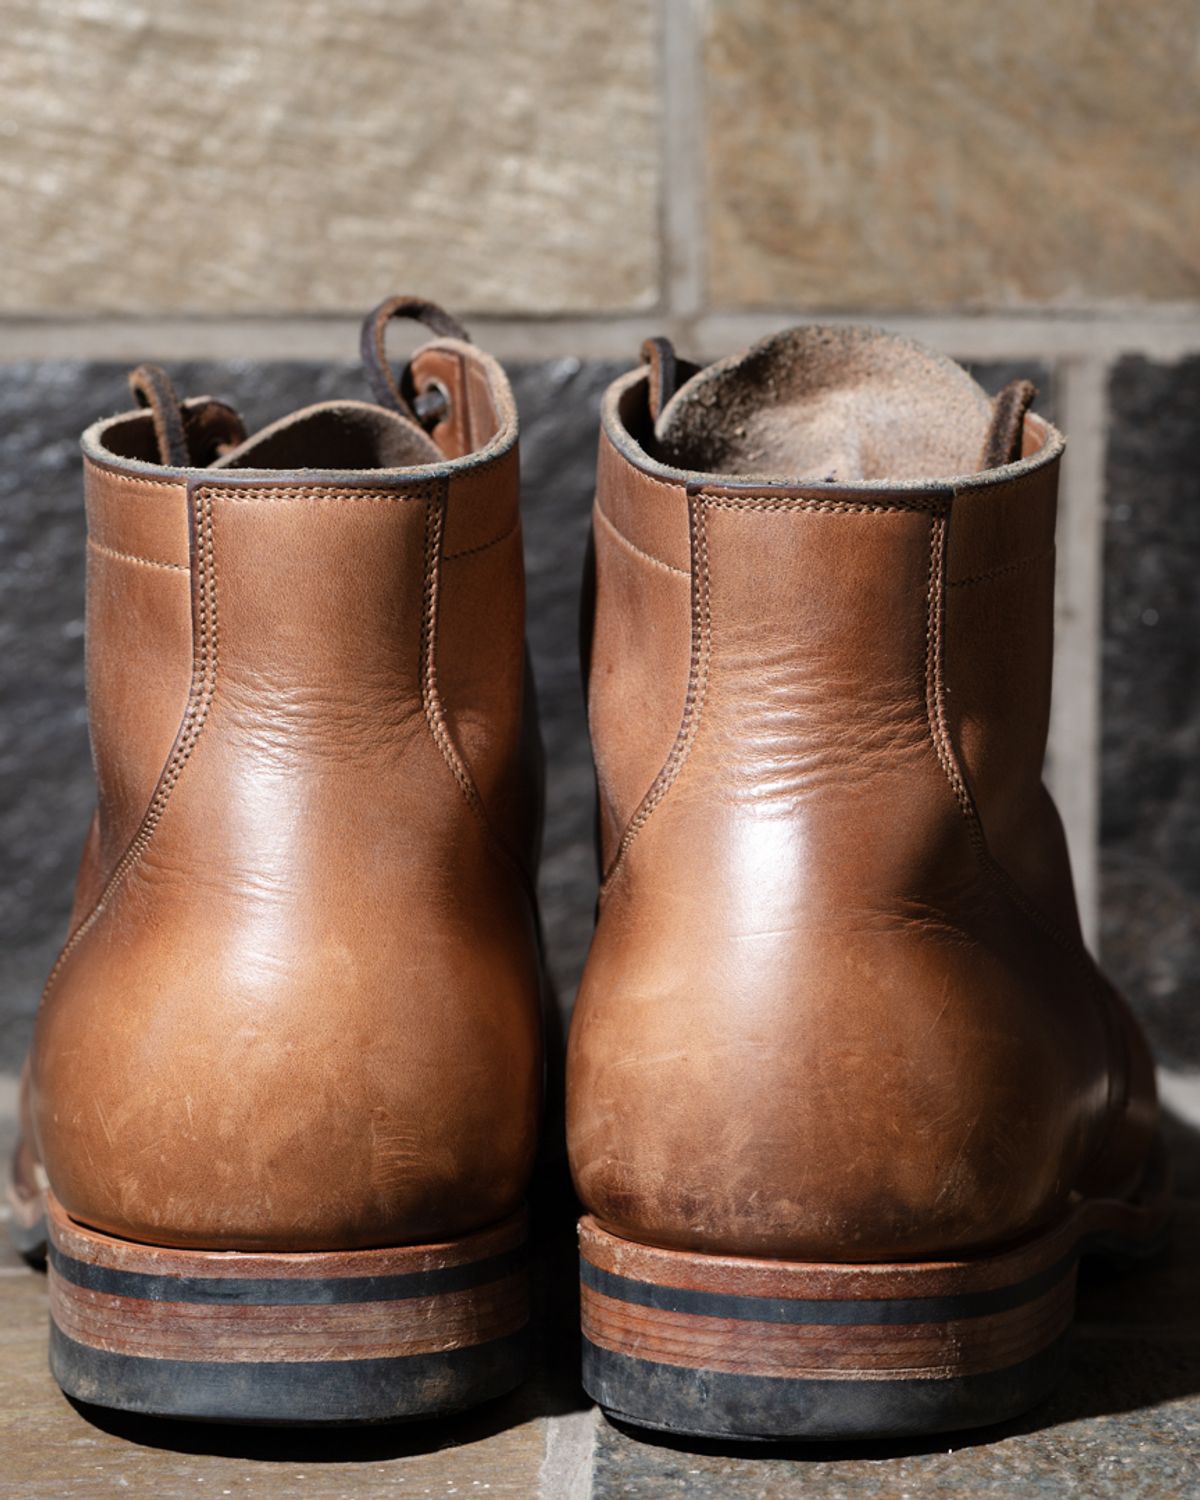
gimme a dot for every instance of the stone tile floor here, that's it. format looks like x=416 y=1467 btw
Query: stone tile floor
x=1127 y=1424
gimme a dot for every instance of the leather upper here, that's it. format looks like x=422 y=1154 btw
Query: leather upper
x=299 y=1005
x=837 y=1005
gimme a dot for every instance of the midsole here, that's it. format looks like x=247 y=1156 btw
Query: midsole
x=793 y=1319
x=271 y=1307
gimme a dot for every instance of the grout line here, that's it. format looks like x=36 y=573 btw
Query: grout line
x=567 y=1463
x=683 y=160
x=255 y=337
x=1166 y=333
x=1074 y=750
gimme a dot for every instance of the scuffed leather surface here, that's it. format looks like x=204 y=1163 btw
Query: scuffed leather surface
x=820 y=1018
x=304 y=1013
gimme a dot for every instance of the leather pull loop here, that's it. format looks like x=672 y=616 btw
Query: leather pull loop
x=659 y=354
x=426 y=409
x=1003 y=443
x=152 y=388
x=213 y=428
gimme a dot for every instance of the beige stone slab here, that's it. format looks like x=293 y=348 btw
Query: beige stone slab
x=229 y=157
x=930 y=156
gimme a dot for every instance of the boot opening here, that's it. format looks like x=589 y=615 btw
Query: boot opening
x=837 y=405
x=345 y=435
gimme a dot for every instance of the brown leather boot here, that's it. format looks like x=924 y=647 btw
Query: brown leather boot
x=847 y=1097
x=281 y=1107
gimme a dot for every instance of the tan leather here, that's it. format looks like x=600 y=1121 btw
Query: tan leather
x=299 y=1006
x=837 y=1006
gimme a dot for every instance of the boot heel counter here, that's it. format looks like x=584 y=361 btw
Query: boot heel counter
x=892 y=1083
x=304 y=1012
x=330 y=1106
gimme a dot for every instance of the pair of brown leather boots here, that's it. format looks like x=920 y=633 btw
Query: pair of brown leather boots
x=846 y=1097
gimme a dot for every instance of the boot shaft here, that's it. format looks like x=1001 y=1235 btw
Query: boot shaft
x=322 y=626
x=851 y=653
x=837 y=942
x=311 y=871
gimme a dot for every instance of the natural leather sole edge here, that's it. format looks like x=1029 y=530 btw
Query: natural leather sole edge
x=375 y=1335
x=741 y=1348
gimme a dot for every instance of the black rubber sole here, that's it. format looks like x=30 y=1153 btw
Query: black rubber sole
x=336 y=1393
x=748 y=1408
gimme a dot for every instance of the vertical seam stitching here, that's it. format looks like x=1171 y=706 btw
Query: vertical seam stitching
x=935 y=697
x=431 y=702
x=200 y=697
x=697 y=687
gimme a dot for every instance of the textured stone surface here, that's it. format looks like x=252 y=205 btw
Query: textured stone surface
x=45 y=773
x=229 y=157
x=1151 y=740
x=948 y=156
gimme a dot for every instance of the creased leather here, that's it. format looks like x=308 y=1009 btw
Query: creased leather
x=301 y=1010
x=834 y=1008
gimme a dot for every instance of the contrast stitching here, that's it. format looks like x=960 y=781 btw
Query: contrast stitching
x=927 y=506
x=312 y=492
x=130 y=557
x=697 y=686
x=633 y=547
x=483 y=546
x=1005 y=568
x=204 y=682
x=935 y=698
x=435 y=714
x=430 y=697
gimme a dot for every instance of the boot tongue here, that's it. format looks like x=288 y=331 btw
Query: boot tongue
x=335 y=435
x=838 y=404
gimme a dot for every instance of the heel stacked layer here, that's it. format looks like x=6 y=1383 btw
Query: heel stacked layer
x=744 y=1348
x=317 y=1337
